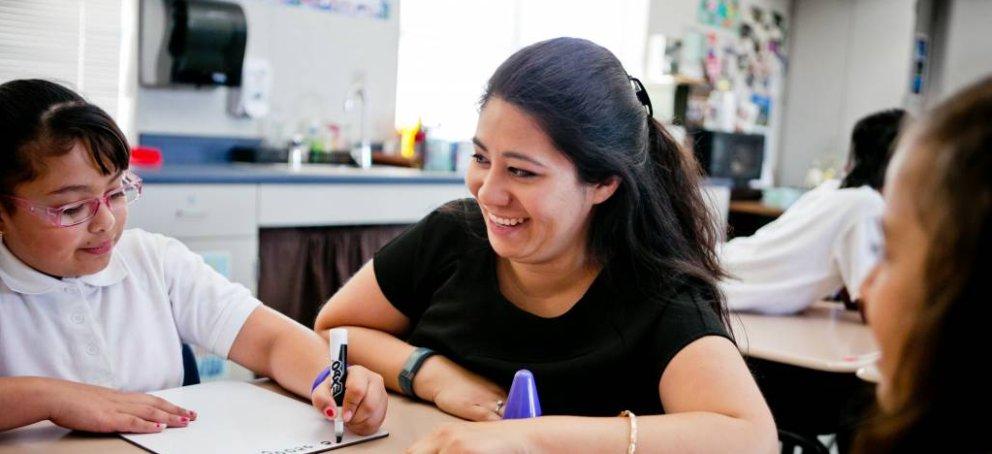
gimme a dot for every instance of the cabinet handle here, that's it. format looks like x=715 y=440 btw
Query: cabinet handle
x=190 y=214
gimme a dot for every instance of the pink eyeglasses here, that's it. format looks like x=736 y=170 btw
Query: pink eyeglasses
x=79 y=212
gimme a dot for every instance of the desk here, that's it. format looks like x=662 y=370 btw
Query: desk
x=869 y=374
x=747 y=216
x=805 y=365
x=755 y=207
x=824 y=337
x=406 y=422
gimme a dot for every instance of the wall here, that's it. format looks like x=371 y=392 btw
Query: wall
x=676 y=17
x=848 y=58
x=963 y=46
x=315 y=56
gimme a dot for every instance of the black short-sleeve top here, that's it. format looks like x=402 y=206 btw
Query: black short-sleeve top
x=604 y=355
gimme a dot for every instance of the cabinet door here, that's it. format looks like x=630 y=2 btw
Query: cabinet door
x=351 y=204
x=234 y=257
x=196 y=211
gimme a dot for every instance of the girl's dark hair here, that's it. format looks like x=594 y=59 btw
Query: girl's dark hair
x=872 y=143
x=939 y=396
x=656 y=227
x=41 y=119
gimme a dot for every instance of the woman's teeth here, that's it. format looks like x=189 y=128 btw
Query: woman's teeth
x=506 y=221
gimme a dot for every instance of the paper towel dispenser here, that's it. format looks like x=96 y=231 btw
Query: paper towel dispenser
x=197 y=42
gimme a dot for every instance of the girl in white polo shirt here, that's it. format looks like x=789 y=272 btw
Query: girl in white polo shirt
x=92 y=315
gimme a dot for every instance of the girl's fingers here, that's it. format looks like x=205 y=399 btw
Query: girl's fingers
x=354 y=394
x=133 y=424
x=161 y=404
x=323 y=402
x=153 y=414
x=372 y=411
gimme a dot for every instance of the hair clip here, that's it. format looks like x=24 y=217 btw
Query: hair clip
x=642 y=94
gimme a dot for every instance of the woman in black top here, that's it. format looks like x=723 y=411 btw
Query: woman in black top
x=585 y=256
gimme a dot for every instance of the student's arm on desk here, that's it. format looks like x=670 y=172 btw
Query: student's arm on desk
x=713 y=405
x=275 y=346
x=78 y=406
x=374 y=330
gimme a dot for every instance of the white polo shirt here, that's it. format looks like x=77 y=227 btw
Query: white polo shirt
x=828 y=239
x=121 y=327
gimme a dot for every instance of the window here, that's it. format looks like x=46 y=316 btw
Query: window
x=449 y=48
x=79 y=43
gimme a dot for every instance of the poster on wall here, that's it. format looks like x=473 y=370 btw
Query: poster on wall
x=371 y=9
x=761 y=59
x=745 y=68
x=719 y=13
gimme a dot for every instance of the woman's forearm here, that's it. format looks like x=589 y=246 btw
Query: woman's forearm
x=377 y=351
x=676 y=433
x=23 y=401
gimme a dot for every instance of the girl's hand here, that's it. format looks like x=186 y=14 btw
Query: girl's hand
x=475 y=437
x=365 y=401
x=457 y=391
x=91 y=408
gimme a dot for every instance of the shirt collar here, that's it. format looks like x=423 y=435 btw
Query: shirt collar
x=21 y=278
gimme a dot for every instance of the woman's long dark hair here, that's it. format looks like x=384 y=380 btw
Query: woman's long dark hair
x=655 y=228
x=939 y=396
x=872 y=143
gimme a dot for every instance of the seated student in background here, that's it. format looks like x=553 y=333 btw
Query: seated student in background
x=585 y=256
x=92 y=315
x=928 y=300
x=822 y=243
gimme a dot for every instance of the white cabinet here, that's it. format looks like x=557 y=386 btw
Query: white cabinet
x=216 y=221
x=295 y=205
x=197 y=210
x=221 y=221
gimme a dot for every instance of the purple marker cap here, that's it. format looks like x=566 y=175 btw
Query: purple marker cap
x=522 y=401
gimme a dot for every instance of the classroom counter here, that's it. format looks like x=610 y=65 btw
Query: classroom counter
x=245 y=173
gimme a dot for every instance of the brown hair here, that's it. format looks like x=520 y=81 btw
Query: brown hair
x=41 y=119
x=937 y=381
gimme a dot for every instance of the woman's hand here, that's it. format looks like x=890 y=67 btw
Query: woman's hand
x=365 y=401
x=457 y=391
x=476 y=437
x=91 y=408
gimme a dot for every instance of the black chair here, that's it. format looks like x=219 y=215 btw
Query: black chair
x=191 y=373
x=807 y=445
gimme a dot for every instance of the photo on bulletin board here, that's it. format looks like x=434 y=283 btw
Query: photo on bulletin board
x=921 y=51
x=719 y=13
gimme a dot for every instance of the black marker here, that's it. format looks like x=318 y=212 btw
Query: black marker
x=339 y=375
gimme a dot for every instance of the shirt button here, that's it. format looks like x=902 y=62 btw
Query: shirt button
x=92 y=349
x=78 y=318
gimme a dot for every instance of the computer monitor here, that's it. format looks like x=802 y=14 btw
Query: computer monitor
x=735 y=156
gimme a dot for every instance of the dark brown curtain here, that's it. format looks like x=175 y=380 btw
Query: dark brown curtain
x=300 y=268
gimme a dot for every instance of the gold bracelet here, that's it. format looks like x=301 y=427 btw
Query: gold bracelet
x=632 y=418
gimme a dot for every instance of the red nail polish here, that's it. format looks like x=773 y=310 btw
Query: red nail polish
x=329 y=411
x=184 y=420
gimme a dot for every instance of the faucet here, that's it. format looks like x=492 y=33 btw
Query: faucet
x=362 y=153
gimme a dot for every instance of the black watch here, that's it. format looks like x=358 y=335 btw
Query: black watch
x=411 y=367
